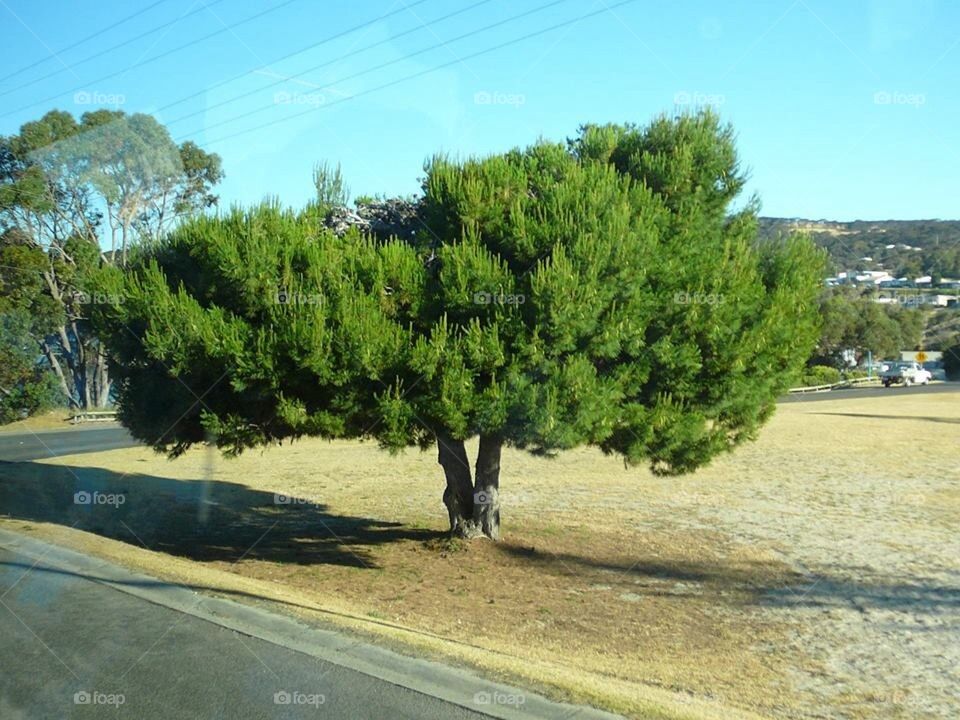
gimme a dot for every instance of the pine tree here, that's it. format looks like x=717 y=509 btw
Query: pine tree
x=599 y=293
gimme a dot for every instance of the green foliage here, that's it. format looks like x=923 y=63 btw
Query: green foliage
x=25 y=387
x=27 y=315
x=599 y=293
x=290 y=327
x=820 y=375
x=331 y=189
x=847 y=243
x=942 y=329
x=110 y=167
x=855 y=321
x=66 y=187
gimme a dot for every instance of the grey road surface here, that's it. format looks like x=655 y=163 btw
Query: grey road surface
x=20 y=446
x=61 y=634
x=82 y=638
x=860 y=393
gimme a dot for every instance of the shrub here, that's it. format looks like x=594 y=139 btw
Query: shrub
x=820 y=375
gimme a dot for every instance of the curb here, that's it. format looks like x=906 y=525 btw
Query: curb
x=452 y=685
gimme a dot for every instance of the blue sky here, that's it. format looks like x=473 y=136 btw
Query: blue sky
x=844 y=110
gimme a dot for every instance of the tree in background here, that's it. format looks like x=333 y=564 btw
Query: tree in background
x=597 y=293
x=69 y=188
x=25 y=385
x=853 y=321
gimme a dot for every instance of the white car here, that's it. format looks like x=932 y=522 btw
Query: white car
x=910 y=373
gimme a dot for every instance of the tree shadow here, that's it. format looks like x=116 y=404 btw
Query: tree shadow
x=741 y=573
x=762 y=583
x=202 y=520
x=838 y=590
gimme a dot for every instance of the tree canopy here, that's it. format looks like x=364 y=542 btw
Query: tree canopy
x=76 y=194
x=602 y=292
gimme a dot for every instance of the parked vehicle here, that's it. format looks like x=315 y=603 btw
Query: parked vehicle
x=908 y=373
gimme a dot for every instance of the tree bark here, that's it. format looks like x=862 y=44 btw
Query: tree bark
x=458 y=495
x=58 y=370
x=486 y=490
x=103 y=379
x=473 y=507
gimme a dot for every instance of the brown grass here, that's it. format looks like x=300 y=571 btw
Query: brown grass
x=649 y=596
x=58 y=419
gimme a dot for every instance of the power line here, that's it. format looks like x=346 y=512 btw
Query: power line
x=81 y=41
x=108 y=50
x=371 y=69
x=222 y=30
x=302 y=50
x=351 y=54
x=422 y=72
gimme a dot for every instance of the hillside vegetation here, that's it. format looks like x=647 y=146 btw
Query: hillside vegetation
x=921 y=247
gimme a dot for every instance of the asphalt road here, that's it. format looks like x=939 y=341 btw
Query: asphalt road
x=860 y=393
x=75 y=648
x=16 y=447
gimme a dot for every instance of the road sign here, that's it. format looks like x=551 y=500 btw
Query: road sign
x=921 y=357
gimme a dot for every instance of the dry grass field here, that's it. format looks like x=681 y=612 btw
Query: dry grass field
x=814 y=573
x=58 y=419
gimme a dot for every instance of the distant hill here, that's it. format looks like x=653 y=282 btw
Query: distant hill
x=920 y=247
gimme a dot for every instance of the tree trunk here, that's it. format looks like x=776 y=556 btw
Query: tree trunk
x=58 y=371
x=474 y=508
x=486 y=490
x=123 y=241
x=103 y=382
x=458 y=495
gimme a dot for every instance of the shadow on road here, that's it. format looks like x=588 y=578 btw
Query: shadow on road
x=196 y=519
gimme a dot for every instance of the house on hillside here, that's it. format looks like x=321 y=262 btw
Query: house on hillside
x=874 y=277
x=900 y=282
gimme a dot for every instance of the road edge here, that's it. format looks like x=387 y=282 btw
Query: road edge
x=450 y=684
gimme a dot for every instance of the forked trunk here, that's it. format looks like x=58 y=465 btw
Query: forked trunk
x=458 y=495
x=486 y=488
x=473 y=507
